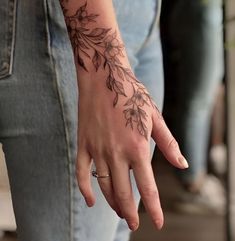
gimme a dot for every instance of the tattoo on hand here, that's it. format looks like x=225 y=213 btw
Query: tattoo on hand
x=102 y=48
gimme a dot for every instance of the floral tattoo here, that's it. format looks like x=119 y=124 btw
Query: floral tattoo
x=102 y=47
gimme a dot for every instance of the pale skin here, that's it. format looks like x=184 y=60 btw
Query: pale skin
x=117 y=117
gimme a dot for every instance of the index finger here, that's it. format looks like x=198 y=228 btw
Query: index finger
x=149 y=192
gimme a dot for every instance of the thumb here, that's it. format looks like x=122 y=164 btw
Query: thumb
x=166 y=142
x=83 y=173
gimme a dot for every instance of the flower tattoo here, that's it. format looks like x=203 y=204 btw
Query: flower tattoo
x=113 y=48
x=105 y=51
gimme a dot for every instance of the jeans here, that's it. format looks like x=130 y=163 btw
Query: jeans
x=195 y=38
x=38 y=117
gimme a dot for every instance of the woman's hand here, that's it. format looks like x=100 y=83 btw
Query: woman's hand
x=117 y=117
x=112 y=139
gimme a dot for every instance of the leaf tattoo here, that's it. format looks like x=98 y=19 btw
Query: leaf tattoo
x=101 y=47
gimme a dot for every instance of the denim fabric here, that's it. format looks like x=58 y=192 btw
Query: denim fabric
x=195 y=29
x=7 y=33
x=38 y=118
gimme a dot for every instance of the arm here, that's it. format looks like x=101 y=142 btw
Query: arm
x=98 y=48
x=116 y=114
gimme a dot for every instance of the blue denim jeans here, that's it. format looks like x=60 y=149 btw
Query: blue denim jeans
x=195 y=32
x=38 y=116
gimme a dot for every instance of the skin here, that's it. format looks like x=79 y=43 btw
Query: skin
x=117 y=116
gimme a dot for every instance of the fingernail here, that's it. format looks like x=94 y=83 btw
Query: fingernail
x=133 y=226
x=183 y=162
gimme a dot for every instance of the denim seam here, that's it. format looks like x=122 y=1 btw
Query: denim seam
x=13 y=25
x=6 y=68
x=50 y=50
x=154 y=23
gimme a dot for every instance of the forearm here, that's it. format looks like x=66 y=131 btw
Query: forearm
x=94 y=33
x=101 y=58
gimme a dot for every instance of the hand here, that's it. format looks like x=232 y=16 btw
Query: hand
x=112 y=139
x=115 y=123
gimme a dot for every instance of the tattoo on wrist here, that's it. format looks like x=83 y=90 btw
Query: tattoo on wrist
x=102 y=48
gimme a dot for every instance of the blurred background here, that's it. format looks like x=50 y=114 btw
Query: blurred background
x=198 y=42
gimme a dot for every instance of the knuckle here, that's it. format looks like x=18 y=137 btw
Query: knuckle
x=95 y=152
x=149 y=192
x=110 y=152
x=173 y=143
x=138 y=150
x=123 y=196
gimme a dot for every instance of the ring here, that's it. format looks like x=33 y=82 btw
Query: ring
x=95 y=174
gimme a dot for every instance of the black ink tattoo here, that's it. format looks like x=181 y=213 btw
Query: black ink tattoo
x=102 y=48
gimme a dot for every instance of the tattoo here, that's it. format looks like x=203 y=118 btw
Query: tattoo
x=101 y=47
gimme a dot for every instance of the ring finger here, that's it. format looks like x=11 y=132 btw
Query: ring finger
x=105 y=182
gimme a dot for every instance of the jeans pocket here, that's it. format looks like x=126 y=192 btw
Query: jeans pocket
x=7 y=36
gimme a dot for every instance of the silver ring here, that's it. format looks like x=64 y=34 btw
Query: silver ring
x=95 y=174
